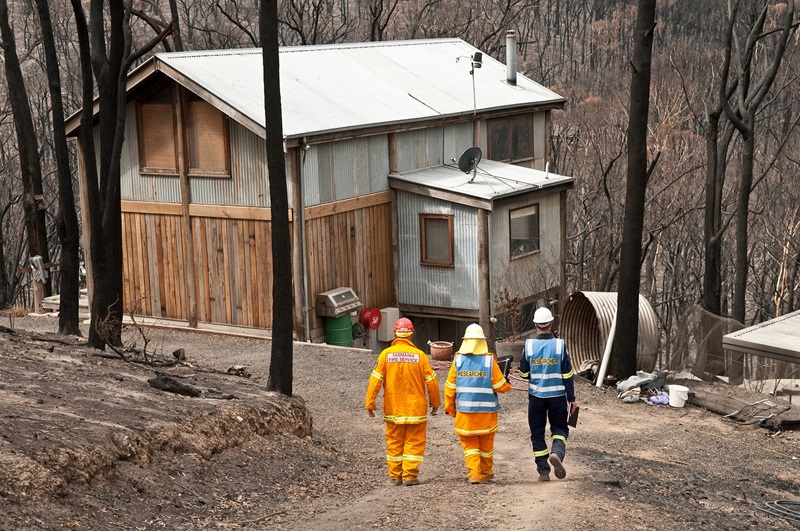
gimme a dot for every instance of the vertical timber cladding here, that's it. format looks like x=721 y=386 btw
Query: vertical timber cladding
x=349 y=245
x=233 y=257
x=153 y=260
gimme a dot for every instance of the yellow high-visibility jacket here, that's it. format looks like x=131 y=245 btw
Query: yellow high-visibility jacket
x=473 y=423
x=404 y=373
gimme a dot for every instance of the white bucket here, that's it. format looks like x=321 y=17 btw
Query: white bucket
x=678 y=395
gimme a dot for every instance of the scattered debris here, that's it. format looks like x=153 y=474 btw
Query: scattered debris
x=749 y=414
x=239 y=370
x=645 y=386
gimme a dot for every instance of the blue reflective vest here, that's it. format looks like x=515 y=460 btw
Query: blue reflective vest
x=545 y=357
x=474 y=391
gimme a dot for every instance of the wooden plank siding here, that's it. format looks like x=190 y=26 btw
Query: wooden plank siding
x=235 y=278
x=349 y=244
x=232 y=260
x=350 y=248
x=152 y=282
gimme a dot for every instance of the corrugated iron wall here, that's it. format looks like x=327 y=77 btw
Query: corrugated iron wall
x=447 y=287
x=136 y=187
x=344 y=169
x=249 y=182
x=534 y=273
x=247 y=186
x=586 y=322
x=425 y=148
x=541 y=137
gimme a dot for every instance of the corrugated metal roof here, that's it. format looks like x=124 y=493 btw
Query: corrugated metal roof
x=492 y=180
x=338 y=87
x=777 y=338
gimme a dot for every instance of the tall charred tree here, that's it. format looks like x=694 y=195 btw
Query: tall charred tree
x=749 y=98
x=718 y=135
x=27 y=143
x=106 y=56
x=280 y=367
x=67 y=217
x=623 y=359
x=6 y=291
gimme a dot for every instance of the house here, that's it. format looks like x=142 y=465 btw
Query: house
x=374 y=136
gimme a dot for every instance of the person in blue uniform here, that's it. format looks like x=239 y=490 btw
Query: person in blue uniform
x=551 y=394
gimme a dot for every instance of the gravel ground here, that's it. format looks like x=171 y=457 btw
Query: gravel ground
x=630 y=466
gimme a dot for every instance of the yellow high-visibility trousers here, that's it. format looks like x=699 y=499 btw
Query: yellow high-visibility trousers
x=405 y=448
x=478 y=455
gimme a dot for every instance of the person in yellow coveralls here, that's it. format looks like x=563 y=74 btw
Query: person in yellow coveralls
x=404 y=373
x=470 y=394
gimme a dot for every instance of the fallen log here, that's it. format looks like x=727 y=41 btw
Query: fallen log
x=167 y=383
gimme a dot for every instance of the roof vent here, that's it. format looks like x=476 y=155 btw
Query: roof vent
x=511 y=57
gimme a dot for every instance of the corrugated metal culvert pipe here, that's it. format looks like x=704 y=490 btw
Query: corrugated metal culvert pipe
x=586 y=322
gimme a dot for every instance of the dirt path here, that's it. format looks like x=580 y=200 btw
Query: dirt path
x=630 y=466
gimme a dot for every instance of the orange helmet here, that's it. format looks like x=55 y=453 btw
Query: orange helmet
x=403 y=327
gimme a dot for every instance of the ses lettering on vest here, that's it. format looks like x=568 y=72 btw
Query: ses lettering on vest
x=402 y=357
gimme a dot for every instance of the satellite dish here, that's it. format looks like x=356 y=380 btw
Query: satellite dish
x=469 y=159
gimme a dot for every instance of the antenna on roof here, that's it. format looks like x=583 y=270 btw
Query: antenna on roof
x=475 y=61
x=468 y=161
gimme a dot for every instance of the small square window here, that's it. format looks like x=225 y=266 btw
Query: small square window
x=523 y=229
x=511 y=138
x=436 y=239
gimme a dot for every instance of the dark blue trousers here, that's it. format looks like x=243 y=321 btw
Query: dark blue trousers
x=540 y=411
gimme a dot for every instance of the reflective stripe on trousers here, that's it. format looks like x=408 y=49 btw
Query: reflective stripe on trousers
x=405 y=449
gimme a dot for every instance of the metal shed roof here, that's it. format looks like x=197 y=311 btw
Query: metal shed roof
x=492 y=180
x=330 y=88
x=777 y=338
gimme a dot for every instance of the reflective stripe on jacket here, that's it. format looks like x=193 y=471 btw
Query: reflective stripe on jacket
x=474 y=391
x=405 y=374
x=544 y=357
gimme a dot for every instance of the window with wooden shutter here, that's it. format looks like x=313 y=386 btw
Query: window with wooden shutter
x=436 y=239
x=207 y=138
x=156 y=134
x=203 y=128
x=523 y=228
